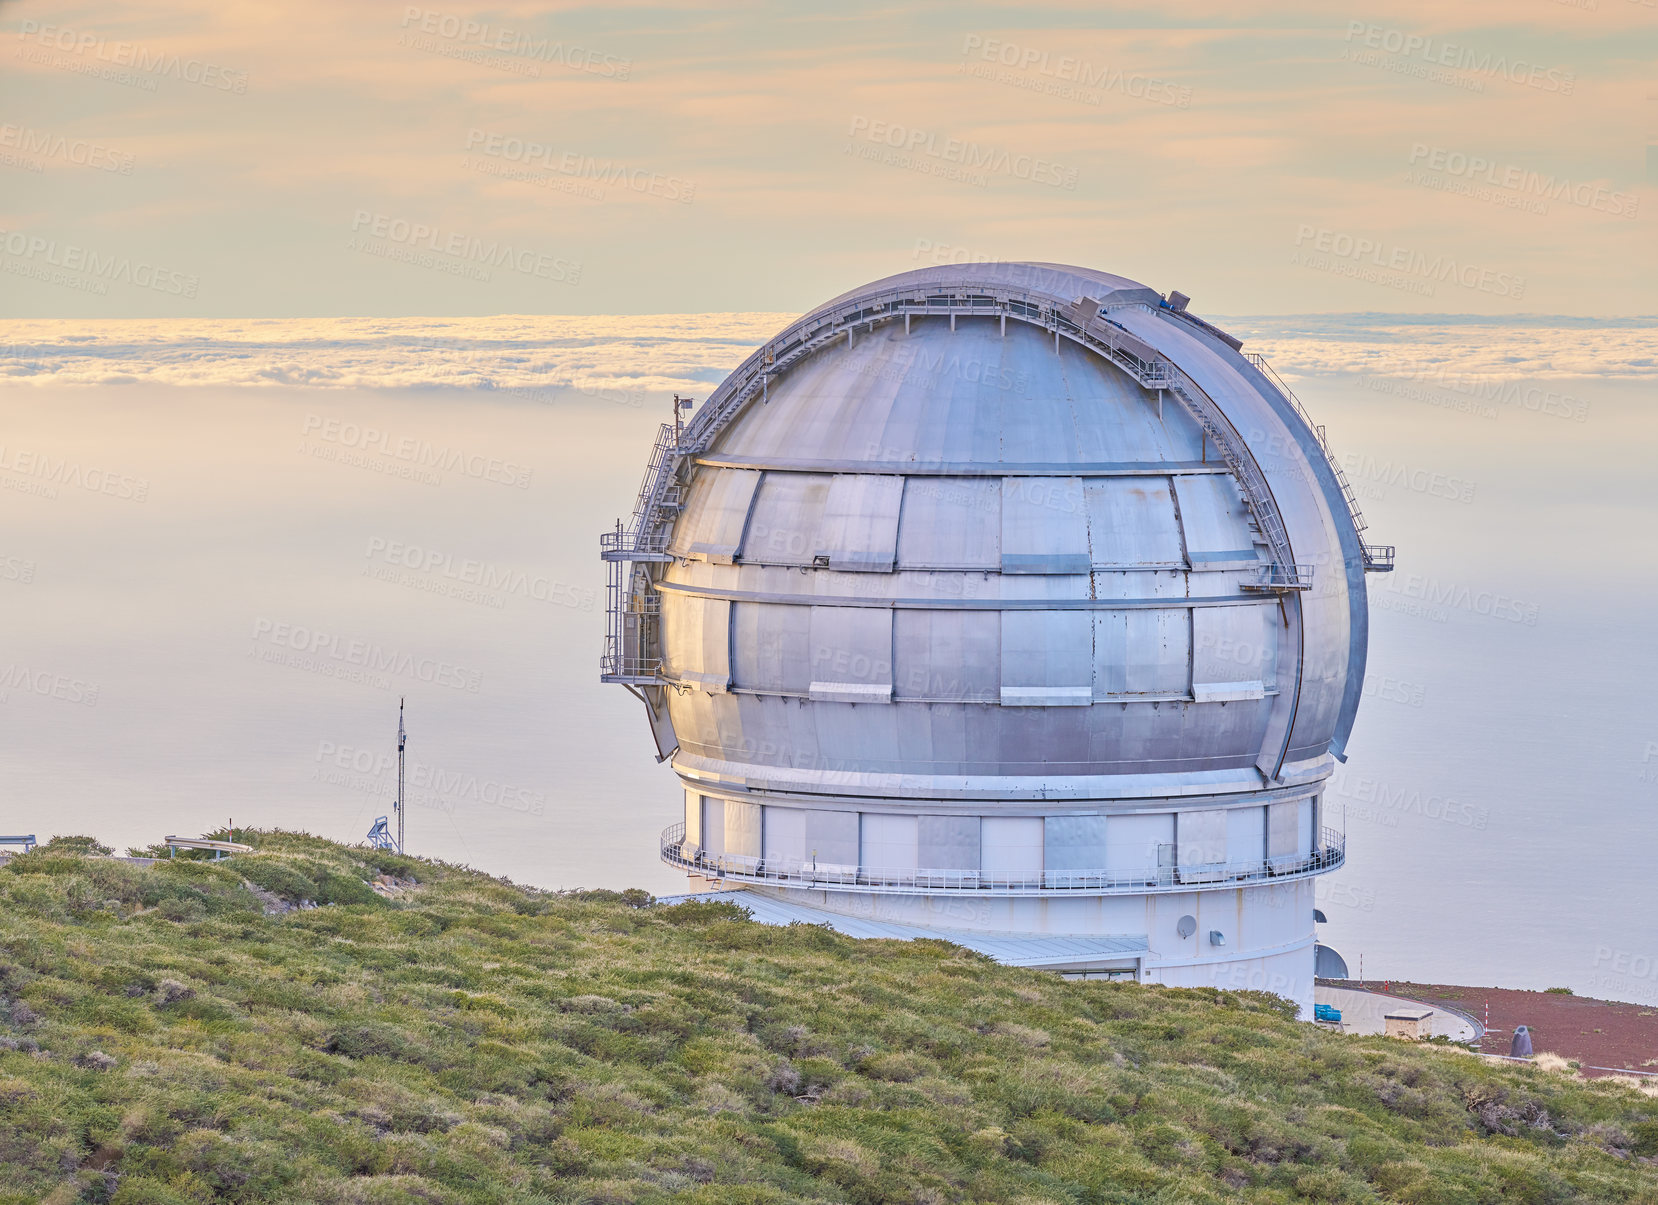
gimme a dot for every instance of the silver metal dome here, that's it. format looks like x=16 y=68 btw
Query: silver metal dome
x=998 y=581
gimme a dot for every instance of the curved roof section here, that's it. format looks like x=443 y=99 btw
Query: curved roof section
x=1062 y=281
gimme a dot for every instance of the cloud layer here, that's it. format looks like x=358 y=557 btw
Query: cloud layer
x=693 y=352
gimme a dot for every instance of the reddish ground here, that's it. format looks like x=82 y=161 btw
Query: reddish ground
x=1597 y=1033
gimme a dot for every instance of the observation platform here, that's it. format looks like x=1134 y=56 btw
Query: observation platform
x=1330 y=854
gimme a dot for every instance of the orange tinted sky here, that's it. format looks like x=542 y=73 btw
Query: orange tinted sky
x=162 y=158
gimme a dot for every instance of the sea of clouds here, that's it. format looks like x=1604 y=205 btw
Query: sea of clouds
x=661 y=352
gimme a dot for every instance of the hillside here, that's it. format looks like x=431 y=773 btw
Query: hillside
x=168 y=1034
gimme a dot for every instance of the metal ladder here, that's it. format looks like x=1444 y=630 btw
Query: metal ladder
x=1378 y=558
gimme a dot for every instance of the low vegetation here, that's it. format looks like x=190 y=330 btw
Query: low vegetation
x=316 y=1023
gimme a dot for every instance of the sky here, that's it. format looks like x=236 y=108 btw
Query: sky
x=172 y=159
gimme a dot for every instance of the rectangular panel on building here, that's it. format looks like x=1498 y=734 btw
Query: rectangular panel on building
x=719 y=506
x=851 y=654
x=772 y=644
x=832 y=841
x=1132 y=523
x=951 y=656
x=1229 y=653
x=785 y=838
x=1044 y=525
x=1142 y=652
x=1047 y=659
x=1012 y=848
x=889 y=845
x=696 y=642
x=949 y=843
x=859 y=532
x=742 y=831
x=1200 y=838
x=1073 y=849
x=788 y=513
x=1216 y=522
x=951 y=523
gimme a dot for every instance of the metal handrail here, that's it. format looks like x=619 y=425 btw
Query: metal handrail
x=1378 y=558
x=677 y=852
x=625 y=545
x=1281 y=577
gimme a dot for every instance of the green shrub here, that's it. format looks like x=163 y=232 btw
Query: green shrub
x=277 y=877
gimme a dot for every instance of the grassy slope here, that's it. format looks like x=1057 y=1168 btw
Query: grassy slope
x=482 y=1042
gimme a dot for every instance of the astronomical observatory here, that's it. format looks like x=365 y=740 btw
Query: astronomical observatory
x=1008 y=603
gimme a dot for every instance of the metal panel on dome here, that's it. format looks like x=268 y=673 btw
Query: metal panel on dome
x=947 y=655
x=951 y=523
x=1044 y=526
x=1142 y=652
x=859 y=530
x=771 y=647
x=851 y=654
x=1047 y=659
x=718 y=509
x=696 y=642
x=787 y=516
x=1132 y=523
x=1231 y=653
x=1215 y=520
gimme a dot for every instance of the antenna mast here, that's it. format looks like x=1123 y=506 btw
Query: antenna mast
x=402 y=739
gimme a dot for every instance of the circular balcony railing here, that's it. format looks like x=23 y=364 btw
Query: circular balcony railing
x=687 y=856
